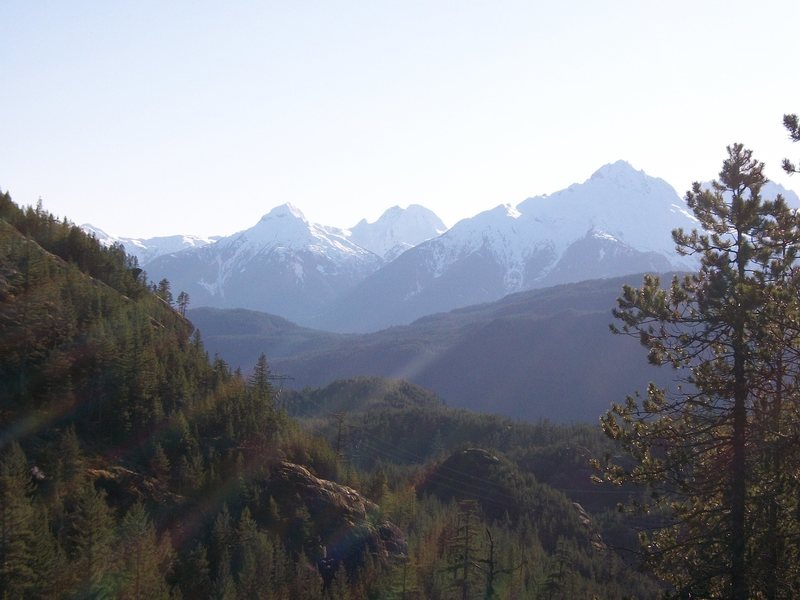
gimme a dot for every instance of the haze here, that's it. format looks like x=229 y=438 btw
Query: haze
x=152 y=118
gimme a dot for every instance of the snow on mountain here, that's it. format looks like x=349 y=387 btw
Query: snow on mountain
x=617 y=203
x=284 y=265
x=397 y=230
x=100 y=235
x=405 y=265
x=285 y=235
x=636 y=209
x=496 y=232
x=771 y=190
x=146 y=249
x=618 y=221
x=285 y=228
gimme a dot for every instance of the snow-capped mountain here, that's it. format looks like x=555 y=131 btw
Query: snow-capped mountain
x=397 y=230
x=619 y=221
x=397 y=269
x=772 y=189
x=146 y=249
x=283 y=265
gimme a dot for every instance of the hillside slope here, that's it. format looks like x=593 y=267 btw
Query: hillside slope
x=126 y=456
x=132 y=467
x=539 y=354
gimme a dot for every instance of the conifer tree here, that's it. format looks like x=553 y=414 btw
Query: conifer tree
x=142 y=558
x=47 y=559
x=92 y=542
x=164 y=291
x=16 y=524
x=463 y=550
x=252 y=559
x=377 y=487
x=70 y=468
x=701 y=447
x=259 y=380
x=159 y=463
x=222 y=545
x=792 y=125
x=183 y=303
x=194 y=574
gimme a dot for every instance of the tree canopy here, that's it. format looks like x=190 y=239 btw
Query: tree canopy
x=718 y=450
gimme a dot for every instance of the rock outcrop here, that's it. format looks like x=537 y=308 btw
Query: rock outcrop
x=346 y=525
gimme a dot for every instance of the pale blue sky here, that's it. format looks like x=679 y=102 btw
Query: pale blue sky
x=150 y=117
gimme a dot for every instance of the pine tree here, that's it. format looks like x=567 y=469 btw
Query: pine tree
x=463 y=550
x=259 y=380
x=164 y=291
x=16 y=524
x=792 y=125
x=183 y=303
x=378 y=486
x=142 y=558
x=699 y=447
x=253 y=555
x=194 y=574
x=159 y=463
x=70 y=473
x=91 y=542
x=47 y=559
x=222 y=546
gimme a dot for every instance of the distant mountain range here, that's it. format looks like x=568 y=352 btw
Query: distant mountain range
x=284 y=264
x=397 y=230
x=619 y=221
x=146 y=249
x=405 y=265
x=538 y=354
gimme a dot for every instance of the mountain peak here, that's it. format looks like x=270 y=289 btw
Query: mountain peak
x=397 y=230
x=283 y=211
x=616 y=170
x=411 y=212
x=394 y=211
x=771 y=190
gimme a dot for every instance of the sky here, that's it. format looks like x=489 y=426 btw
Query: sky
x=153 y=118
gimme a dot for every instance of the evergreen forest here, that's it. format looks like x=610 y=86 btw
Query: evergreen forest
x=134 y=465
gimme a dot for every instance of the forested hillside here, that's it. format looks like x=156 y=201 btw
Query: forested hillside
x=131 y=466
x=718 y=451
x=532 y=355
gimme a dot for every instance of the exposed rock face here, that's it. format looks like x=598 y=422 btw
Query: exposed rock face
x=346 y=524
x=591 y=529
x=332 y=524
x=126 y=487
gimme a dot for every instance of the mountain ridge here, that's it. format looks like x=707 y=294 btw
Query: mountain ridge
x=616 y=222
x=397 y=230
x=283 y=262
x=543 y=353
x=391 y=272
x=147 y=249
